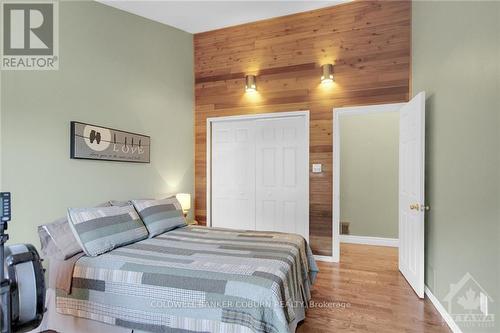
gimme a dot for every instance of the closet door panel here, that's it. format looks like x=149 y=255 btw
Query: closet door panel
x=281 y=175
x=233 y=174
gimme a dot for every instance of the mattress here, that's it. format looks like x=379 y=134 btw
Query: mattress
x=196 y=279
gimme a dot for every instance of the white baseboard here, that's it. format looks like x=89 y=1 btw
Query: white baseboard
x=442 y=311
x=323 y=258
x=379 y=241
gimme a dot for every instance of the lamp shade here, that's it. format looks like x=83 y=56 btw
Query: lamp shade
x=184 y=200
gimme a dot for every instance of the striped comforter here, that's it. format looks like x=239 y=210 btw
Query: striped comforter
x=196 y=279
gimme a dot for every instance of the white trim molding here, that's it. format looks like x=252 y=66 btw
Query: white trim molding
x=378 y=241
x=324 y=258
x=442 y=311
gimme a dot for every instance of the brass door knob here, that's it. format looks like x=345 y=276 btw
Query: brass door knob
x=419 y=207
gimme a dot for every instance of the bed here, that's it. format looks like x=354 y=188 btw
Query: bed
x=194 y=279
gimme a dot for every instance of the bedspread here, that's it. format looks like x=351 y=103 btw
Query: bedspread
x=196 y=279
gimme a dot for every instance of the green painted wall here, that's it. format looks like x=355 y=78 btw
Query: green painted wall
x=116 y=69
x=456 y=59
x=369 y=150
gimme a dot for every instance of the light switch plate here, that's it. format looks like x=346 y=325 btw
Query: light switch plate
x=316 y=168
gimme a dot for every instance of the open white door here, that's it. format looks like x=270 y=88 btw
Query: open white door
x=411 y=192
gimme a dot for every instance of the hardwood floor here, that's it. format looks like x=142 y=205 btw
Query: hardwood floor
x=376 y=296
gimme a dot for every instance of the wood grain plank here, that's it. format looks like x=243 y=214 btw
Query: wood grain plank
x=369 y=42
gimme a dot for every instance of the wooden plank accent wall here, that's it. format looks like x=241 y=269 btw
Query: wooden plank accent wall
x=369 y=43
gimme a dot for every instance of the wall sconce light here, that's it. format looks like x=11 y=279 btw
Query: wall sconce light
x=327 y=75
x=250 y=83
x=185 y=201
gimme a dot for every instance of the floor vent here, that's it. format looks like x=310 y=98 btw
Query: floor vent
x=344 y=228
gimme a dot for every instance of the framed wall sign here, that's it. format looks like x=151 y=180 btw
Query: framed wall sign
x=92 y=142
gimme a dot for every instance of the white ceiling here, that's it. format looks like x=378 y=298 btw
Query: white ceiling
x=199 y=16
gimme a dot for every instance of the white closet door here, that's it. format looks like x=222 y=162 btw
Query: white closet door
x=233 y=174
x=282 y=171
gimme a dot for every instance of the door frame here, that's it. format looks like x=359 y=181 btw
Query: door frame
x=337 y=113
x=211 y=120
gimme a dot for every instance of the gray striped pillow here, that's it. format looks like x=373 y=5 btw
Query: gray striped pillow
x=160 y=216
x=99 y=230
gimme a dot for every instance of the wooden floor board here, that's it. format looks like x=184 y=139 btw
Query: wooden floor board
x=376 y=296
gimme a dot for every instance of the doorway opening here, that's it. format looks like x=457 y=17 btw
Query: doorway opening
x=365 y=201
x=369 y=148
